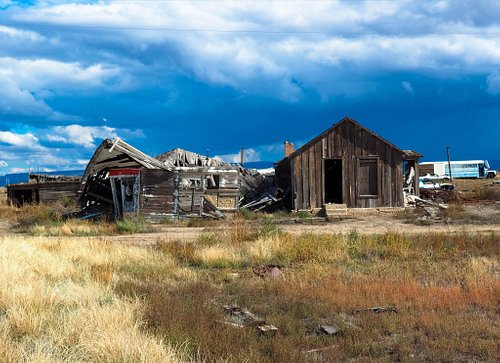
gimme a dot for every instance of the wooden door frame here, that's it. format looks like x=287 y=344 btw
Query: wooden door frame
x=323 y=178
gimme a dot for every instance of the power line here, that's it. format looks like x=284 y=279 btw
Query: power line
x=244 y=31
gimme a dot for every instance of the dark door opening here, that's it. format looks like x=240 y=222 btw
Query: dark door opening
x=333 y=181
x=22 y=196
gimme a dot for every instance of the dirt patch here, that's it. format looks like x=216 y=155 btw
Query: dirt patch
x=368 y=225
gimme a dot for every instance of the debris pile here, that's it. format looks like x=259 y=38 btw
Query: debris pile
x=241 y=317
x=414 y=201
x=46 y=178
x=440 y=195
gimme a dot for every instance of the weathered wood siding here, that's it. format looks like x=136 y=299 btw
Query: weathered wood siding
x=158 y=194
x=347 y=141
x=170 y=194
x=225 y=197
x=44 y=193
x=53 y=192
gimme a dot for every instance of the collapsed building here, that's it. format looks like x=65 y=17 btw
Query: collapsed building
x=121 y=181
x=43 y=188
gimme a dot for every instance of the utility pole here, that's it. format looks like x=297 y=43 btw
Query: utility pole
x=449 y=162
x=242 y=156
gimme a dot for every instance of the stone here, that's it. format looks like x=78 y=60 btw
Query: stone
x=328 y=329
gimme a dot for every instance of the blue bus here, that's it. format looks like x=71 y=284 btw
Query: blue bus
x=459 y=169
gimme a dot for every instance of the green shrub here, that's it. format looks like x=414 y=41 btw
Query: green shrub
x=130 y=225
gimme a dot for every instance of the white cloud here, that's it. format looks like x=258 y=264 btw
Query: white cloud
x=19 y=35
x=401 y=35
x=3 y=164
x=18 y=170
x=27 y=84
x=250 y=155
x=87 y=135
x=38 y=74
x=25 y=141
x=80 y=135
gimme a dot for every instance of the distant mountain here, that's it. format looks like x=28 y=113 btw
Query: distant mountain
x=23 y=177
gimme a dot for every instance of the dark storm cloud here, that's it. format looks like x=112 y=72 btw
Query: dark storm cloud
x=205 y=76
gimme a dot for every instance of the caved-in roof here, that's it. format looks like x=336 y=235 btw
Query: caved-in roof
x=118 y=154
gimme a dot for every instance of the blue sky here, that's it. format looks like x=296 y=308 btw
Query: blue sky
x=221 y=75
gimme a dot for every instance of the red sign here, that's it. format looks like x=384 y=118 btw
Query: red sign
x=115 y=172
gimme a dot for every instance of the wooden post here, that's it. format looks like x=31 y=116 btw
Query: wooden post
x=449 y=162
x=242 y=157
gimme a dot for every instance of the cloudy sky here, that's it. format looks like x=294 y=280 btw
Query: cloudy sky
x=221 y=75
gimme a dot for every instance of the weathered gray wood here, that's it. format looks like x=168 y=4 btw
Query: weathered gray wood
x=347 y=140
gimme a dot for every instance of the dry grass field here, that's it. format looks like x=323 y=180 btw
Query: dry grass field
x=73 y=291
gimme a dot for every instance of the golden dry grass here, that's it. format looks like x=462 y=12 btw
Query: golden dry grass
x=445 y=288
x=57 y=302
x=73 y=298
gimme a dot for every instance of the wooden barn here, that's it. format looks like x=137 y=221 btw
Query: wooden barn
x=346 y=165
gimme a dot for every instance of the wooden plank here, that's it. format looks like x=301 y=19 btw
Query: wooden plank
x=297 y=174
x=312 y=177
x=305 y=180
x=319 y=175
x=351 y=190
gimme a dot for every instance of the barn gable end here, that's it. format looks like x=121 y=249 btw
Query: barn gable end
x=347 y=164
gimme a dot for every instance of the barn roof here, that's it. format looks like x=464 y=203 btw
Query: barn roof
x=411 y=154
x=324 y=133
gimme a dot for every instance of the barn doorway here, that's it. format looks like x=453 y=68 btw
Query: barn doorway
x=333 y=182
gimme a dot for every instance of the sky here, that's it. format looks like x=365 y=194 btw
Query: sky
x=215 y=76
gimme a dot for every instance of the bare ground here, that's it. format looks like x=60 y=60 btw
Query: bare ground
x=372 y=225
x=375 y=223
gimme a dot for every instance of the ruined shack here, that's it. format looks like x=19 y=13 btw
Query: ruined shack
x=43 y=189
x=346 y=165
x=121 y=181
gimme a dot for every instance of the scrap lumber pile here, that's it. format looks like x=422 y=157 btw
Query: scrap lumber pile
x=264 y=202
x=45 y=178
x=440 y=195
x=413 y=200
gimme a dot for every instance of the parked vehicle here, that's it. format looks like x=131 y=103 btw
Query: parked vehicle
x=429 y=182
x=459 y=169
